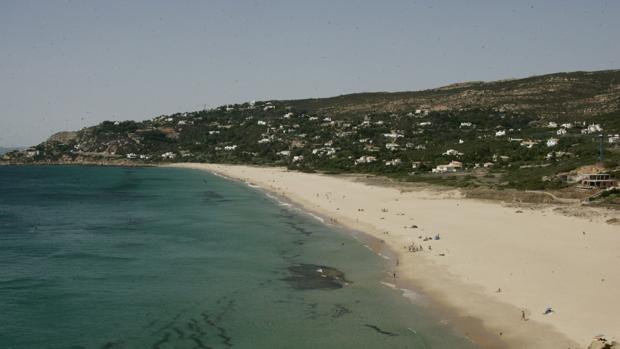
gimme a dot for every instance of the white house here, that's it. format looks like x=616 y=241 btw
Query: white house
x=328 y=151
x=552 y=142
x=391 y=146
x=592 y=128
x=552 y=124
x=500 y=133
x=529 y=143
x=285 y=153
x=365 y=160
x=394 y=162
x=261 y=123
x=453 y=166
x=132 y=156
x=230 y=147
x=465 y=124
x=168 y=155
x=298 y=158
x=452 y=152
x=613 y=139
x=561 y=131
x=32 y=153
x=394 y=134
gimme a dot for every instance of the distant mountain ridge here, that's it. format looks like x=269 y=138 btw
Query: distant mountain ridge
x=580 y=94
x=4 y=150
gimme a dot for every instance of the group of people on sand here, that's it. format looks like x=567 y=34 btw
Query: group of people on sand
x=417 y=248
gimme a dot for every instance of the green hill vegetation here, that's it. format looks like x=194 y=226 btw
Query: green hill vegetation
x=506 y=134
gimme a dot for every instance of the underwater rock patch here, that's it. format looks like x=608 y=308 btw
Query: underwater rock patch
x=315 y=277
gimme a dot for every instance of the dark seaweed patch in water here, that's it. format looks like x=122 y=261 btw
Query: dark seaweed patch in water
x=340 y=310
x=312 y=276
x=299 y=228
x=211 y=196
x=376 y=328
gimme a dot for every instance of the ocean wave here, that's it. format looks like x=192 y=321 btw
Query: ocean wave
x=23 y=283
x=384 y=256
x=318 y=218
x=407 y=293
x=83 y=255
x=280 y=202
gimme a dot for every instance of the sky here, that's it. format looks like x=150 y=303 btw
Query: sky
x=65 y=65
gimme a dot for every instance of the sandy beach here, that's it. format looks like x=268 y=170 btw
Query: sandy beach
x=486 y=264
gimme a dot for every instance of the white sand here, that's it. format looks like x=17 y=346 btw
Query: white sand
x=538 y=258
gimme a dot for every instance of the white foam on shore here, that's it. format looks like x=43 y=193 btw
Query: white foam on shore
x=252 y=185
x=387 y=284
x=384 y=256
x=407 y=293
x=218 y=175
x=276 y=199
x=319 y=218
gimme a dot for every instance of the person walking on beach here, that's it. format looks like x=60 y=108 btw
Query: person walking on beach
x=523 y=318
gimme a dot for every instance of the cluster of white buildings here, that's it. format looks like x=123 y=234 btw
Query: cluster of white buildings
x=453 y=166
x=365 y=159
x=592 y=128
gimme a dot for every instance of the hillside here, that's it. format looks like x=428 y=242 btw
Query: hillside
x=4 y=150
x=517 y=133
x=577 y=94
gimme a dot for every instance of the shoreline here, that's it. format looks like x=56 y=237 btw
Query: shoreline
x=468 y=328
x=459 y=286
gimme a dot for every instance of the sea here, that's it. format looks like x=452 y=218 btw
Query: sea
x=158 y=258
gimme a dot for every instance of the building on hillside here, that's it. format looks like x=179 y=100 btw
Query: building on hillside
x=529 y=143
x=365 y=160
x=453 y=166
x=597 y=181
x=453 y=152
x=394 y=162
x=552 y=142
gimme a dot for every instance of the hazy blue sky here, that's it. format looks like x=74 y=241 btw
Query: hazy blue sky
x=69 y=64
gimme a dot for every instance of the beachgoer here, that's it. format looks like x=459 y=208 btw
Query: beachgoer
x=523 y=318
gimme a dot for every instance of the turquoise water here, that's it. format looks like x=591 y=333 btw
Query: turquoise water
x=112 y=258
